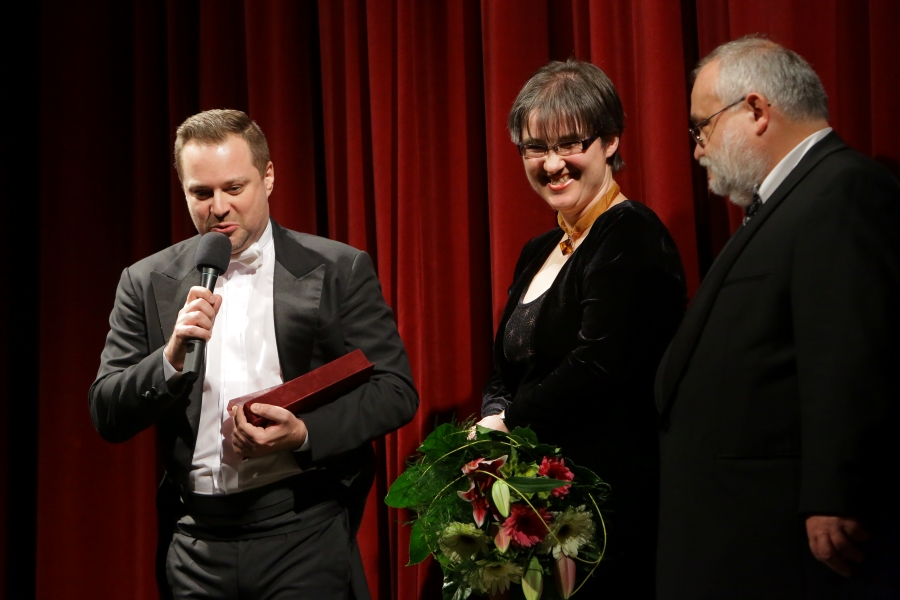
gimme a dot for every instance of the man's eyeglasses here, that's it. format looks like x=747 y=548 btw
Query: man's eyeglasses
x=695 y=129
x=561 y=149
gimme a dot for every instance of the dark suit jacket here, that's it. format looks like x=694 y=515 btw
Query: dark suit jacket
x=602 y=327
x=327 y=302
x=777 y=393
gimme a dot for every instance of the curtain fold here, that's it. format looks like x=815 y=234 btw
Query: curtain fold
x=516 y=42
x=94 y=500
x=284 y=97
x=387 y=125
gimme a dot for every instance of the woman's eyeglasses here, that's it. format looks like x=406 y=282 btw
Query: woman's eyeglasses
x=561 y=149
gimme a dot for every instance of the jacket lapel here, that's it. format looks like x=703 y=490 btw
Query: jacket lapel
x=299 y=278
x=170 y=289
x=297 y=292
x=682 y=347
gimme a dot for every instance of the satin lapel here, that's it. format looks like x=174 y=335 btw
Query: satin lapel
x=297 y=293
x=170 y=289
x=682 y=347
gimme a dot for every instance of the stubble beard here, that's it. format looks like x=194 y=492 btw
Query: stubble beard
x=239 y=240
x=737 y=168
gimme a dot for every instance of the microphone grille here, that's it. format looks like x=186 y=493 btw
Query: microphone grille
x=214 y=250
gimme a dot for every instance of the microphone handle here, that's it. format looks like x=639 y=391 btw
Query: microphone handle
x=196 y=349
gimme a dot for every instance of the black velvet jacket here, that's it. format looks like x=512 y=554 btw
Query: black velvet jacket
x=604 y=324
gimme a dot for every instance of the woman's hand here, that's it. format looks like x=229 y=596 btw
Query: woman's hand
x=494 y=422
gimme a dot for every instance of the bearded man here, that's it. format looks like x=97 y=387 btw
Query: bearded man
x=777 y=394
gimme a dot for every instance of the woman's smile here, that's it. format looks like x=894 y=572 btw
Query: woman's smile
x=558 y=183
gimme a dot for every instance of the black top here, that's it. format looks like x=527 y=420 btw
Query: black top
x=518 y=343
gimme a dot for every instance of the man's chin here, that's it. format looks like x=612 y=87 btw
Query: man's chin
x=714 y=183
x=739 y=197
x=238 y=246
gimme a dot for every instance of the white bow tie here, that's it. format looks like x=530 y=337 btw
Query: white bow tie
x=252 y=257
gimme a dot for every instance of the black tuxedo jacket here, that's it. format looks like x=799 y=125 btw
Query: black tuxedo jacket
x=327 y=302
x=777 y=394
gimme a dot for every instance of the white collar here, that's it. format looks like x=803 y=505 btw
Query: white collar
x=266 y=238
x=787 y=164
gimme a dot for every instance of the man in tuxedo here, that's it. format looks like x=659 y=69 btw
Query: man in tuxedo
x=777 y=395
x=249 y=511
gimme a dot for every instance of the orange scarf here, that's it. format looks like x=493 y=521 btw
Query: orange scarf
x=567 y=246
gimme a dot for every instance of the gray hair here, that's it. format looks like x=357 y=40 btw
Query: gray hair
x=756 y=64
x=573 y=95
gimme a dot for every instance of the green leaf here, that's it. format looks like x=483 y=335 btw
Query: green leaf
x=455 y=589
x=403 y=491
x=534 y=484
x=533 y=581
x=482 y=430
x=545 y=450
x=418 y=547
x=524 y=435
x=462 y=592
x=586 y=477
x=442 y=440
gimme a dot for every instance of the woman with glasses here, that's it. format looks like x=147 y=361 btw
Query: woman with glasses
x=592 y=307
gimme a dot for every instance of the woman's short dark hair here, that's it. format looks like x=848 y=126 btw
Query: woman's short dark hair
x=573 y=97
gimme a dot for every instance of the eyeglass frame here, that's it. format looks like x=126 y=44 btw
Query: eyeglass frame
x=694 y=130
x=585 y=144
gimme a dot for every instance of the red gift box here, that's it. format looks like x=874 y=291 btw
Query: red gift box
x=312 y=390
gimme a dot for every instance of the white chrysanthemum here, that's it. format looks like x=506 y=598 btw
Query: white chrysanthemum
x=462 y=541
x=572 y=529
x=493 y=577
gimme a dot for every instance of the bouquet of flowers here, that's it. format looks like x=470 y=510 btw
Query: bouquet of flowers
x=499 y=511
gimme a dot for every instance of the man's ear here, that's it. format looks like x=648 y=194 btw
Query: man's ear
x=761 y=109
x=269 y=178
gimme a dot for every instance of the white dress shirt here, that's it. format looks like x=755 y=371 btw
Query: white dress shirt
x=241 y=357
x=787 y=164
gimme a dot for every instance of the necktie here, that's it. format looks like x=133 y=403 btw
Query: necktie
x=251 y=257
x=751 y=210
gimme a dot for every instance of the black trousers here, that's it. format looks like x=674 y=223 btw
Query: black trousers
x=273 y=543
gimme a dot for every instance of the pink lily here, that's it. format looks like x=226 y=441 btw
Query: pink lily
x=502 y=539
x=479 y=484
x=564 y=575
x=479 y=503
x=479 y=464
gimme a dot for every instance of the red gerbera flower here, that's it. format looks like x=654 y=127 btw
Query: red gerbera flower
x=555 y=468
x=524 y=526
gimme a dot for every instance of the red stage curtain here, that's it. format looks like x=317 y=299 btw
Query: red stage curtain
x=387 y=125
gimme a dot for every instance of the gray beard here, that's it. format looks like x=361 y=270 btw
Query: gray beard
x=737 y=168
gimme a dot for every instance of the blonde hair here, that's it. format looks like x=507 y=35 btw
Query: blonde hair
x=214 y=127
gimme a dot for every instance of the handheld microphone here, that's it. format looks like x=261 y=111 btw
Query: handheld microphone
x=213 y=255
